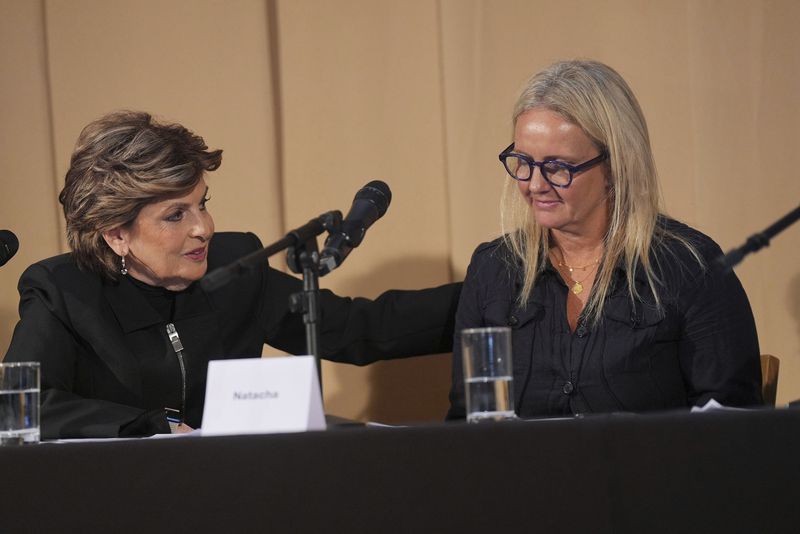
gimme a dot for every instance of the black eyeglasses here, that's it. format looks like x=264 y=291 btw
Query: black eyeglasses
x=557 y=173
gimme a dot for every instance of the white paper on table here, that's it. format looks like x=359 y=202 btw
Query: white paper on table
x=712 y=405
x=375 y=424
x=262 y=395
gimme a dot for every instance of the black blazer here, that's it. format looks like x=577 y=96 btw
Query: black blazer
x=93 y=337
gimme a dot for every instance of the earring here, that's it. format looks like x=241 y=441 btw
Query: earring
x=123 y=270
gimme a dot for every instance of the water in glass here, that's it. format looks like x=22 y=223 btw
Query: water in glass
x=489 y=399
x=19 y=416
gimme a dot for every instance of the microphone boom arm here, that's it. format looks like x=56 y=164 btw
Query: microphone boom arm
x=217 y=278
x=757 y=241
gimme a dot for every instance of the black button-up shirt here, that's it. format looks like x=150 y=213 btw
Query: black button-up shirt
x=700 y=344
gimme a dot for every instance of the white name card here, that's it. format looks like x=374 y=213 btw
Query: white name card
x=262 y=396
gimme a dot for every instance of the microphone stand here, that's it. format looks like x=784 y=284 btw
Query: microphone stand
x=757 y=241
x=302 y=256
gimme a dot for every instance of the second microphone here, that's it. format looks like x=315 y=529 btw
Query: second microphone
x=369 y=205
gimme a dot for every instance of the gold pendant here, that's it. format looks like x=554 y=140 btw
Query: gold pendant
x=577 y=288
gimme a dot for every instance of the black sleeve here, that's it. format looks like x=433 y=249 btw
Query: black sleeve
x=360 y=331
x=66 y=415
x=397 y=324
x=43 y=334
x=719 y=353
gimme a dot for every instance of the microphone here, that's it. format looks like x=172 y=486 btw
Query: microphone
x=9 y=245
x=369 y=205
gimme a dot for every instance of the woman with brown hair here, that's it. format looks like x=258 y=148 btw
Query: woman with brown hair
x=101 y=320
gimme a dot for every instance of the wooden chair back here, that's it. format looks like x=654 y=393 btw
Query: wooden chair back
x=769 y=378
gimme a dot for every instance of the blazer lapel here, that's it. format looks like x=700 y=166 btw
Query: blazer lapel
x=132 y=313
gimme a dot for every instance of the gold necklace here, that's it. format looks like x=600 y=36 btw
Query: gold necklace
x=577 y=287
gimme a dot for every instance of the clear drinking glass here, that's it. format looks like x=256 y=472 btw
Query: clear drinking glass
x=19 y=403
x=488 y=374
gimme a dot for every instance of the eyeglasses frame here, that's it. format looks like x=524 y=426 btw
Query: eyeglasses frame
x=572 y=169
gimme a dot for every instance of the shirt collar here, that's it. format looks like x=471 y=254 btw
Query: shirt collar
x=133 y=312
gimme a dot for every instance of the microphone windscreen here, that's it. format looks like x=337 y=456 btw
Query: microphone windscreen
x=9 y=245
x=377 y=192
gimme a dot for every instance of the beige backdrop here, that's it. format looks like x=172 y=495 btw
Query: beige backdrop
x=310 y=99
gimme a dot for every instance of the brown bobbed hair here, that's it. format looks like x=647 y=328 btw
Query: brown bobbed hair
x=122 y=162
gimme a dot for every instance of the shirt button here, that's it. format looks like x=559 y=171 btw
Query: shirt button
x=581 y=331
x=512 y=320
x=567 y=388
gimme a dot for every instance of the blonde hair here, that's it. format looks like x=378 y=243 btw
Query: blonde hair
x=122 y=162
x=596 y=98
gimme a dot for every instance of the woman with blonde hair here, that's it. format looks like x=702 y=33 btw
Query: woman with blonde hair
x=613 y=305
